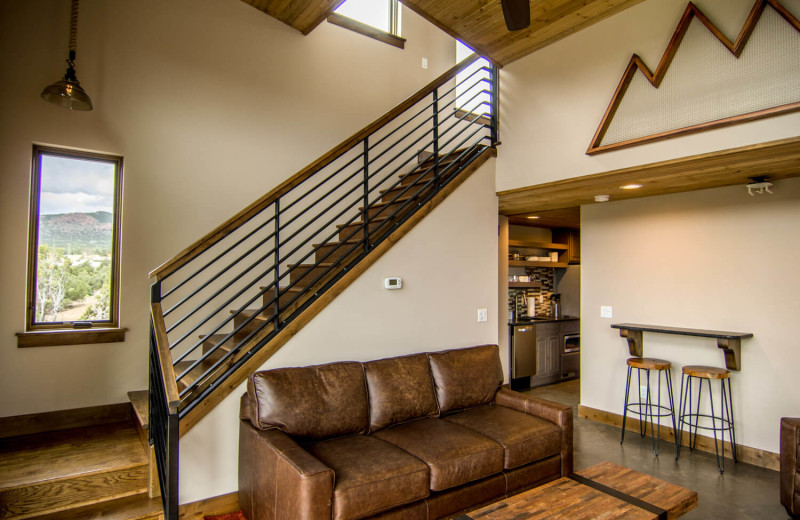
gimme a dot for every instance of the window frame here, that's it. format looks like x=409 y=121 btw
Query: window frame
x=76 y=332
x=392 y=37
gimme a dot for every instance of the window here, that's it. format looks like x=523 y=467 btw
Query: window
x=472 y=98
x=379 y=19
x=73 y=250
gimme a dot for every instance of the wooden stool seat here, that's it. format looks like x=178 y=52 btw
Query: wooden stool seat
x=706 y=372
x=649 y=363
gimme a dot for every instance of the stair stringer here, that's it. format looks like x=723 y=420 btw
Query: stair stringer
x=268 y=350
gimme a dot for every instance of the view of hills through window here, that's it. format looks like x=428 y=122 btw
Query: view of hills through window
x=75 y=239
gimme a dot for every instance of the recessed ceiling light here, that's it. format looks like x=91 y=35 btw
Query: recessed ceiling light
x=601 y=198
x=631 y=186
x=533 y=217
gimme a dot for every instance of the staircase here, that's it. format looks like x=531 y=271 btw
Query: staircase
x=97 y=472
x=227 y=303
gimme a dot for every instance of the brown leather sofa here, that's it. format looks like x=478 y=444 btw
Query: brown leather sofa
x=790 y=465
x=415 y=438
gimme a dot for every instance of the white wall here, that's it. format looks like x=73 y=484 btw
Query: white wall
x=553 y=100
x=211 y=103
x=713 y=259
x=448 y=264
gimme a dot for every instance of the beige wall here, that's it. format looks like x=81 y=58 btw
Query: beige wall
x=447 y=263
x=552 y=101
x=712 y=259
x=211 y=103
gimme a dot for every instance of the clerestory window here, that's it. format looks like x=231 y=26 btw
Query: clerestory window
x=379 y=19
x=73 y=248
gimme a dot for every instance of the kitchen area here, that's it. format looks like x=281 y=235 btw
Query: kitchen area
x=540 y=281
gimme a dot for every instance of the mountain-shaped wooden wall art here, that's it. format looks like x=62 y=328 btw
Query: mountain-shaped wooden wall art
x=724 y=103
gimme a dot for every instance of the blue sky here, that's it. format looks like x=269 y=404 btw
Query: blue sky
x=71 y=185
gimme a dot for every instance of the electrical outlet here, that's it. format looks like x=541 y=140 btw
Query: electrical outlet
x=606 y=311
x=424 y=63
x=483 y=315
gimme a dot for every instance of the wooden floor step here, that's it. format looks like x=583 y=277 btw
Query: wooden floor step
x=385 y=209
x=218 y=345
x=194 y=375
x=261 y=318
x=136 y=507
x=140 y=401
x=56 y=471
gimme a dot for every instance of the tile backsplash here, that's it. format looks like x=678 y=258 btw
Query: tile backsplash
x=545 y=275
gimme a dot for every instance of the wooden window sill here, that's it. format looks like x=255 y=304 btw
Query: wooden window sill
x=53 y=338
x=366 y=30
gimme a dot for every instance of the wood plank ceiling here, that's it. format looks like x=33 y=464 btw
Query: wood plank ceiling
x=477 y=23
x=774 y=160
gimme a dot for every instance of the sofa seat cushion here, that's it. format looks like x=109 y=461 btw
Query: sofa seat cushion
x=524 y=438
x=370 y=475
x=454 y=454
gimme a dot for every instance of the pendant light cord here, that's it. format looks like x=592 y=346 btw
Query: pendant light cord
x=73 y=29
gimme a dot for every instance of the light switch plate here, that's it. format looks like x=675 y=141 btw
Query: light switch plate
x=606 y=311
x=483 y=315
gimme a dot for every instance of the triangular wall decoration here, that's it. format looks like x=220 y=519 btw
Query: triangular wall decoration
x=709 y=85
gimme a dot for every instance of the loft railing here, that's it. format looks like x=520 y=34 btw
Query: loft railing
x=220 y=301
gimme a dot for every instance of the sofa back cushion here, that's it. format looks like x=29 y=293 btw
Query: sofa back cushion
x=400 y=389
x=466 y=377
x=310 y=402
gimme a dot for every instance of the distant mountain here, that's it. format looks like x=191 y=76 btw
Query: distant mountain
x=75 y=232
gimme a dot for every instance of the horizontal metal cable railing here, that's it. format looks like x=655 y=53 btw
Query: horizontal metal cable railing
x=224 y=298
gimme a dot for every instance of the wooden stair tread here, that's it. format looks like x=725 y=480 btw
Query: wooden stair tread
x=321 y=264
x=140 y=400
x=68 y=453
x=360 y=223
x=136 y=507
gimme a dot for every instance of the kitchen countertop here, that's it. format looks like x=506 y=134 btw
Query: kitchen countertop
x=542 y=319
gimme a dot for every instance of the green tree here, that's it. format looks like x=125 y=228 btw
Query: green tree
x=51 y=283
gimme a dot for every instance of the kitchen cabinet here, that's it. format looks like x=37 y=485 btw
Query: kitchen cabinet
x=572 y=239
x=548 y=353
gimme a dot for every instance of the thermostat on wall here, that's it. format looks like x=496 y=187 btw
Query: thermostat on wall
x=393 y=282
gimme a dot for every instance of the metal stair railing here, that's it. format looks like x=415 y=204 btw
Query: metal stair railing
x=216 y=304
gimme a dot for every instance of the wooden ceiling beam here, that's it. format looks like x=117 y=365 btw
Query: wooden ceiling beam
x=775 y=160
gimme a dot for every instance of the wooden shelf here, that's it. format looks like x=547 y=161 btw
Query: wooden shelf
x=537 y=245
x=524 y=285
x=525 y=263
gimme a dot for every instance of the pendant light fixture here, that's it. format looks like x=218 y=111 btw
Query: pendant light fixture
x=68 y=93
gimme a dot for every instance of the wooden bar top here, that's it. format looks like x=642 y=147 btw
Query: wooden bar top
x=683 y=331
x=729 y=342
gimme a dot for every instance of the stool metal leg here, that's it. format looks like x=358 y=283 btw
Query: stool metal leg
x=625 y=407
x=720 y=462
x=682 y=408
x=696 y=417
x=671 y=404
x=642 y=425
x=729 y=407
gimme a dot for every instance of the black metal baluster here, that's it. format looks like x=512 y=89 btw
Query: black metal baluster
x=436 y=139
x=366 y=195
x=277 y=266
x=495 y=81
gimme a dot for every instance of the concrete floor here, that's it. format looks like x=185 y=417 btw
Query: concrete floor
x=742 y=492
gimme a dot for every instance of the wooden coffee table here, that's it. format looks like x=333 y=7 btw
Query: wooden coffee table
x=605 y=490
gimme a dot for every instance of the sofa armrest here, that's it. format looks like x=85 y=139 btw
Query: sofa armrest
x=790 y=465
x=559 y=414
x=278 y=479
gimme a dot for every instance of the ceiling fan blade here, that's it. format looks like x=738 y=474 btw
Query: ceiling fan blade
x=517 y=14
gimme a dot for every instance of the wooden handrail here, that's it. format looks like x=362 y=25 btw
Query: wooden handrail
x=259 y=205
x=165 y=358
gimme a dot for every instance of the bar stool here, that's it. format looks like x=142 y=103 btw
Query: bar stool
x=692 y=419
x=647 y=407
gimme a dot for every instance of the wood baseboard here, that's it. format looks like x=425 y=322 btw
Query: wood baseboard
x=754 y=456
x=17 y=425
x=218 y=505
